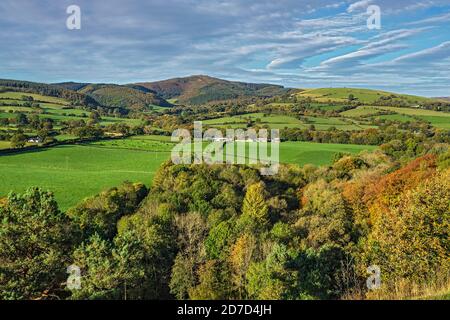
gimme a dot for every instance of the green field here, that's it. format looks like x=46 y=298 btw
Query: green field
x=4 y=144
x=436 y=118
x=275 y=121
x=361 y=111
x=362 y=95
x=301 y=153
x=76 y=172
x=36 y=97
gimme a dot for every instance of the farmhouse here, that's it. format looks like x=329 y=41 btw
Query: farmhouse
x=34 y=140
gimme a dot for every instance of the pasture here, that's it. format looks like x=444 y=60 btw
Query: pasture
x=74 y=172
x=276 y=121
x=436 y=118
x=77 y=171
x=366 y=96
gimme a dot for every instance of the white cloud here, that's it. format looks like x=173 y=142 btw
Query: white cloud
x=360 y=5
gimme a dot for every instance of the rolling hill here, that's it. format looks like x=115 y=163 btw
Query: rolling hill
x=366 y=96
x=201 y=89
x=76 y=98
x=123 y=96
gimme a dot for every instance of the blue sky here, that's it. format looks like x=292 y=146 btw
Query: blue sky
x=301 y=43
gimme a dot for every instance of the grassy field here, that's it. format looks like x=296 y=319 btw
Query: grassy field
x=36 y=97
x=436 y=118
x=301 y=153
x=275 y=121
x=74 y=172
x=361 y=111
x=4 y=144
x=363 y=95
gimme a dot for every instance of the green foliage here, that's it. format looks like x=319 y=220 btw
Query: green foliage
x=218 y=239
x=100 y=214
x=226 y=232
x=255 y=209
x=18 y=140
x=270 y=279
x=35 y=243
x=318 y=272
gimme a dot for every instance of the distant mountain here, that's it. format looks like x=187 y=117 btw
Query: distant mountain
x=201 y=89
x=443 y=98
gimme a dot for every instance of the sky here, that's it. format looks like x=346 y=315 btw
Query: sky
x=299 y=44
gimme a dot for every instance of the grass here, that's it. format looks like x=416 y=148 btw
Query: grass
x=363 y=95
x=65 y=137
x=4 y=144
x=75 y=172
x=438 y=122
x=360 y=111
x=436 y=118
x=396 y=117
x=275 y=121
x=15 y=108
x=301 y=153
x=36 y=97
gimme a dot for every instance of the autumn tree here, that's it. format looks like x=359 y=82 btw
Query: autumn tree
x=240 y=257
x=192 y=231
x=411 y=241
x=255 y=209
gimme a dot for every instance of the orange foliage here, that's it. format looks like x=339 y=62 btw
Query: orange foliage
x=373 y=195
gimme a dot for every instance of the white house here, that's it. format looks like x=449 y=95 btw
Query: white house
x=34 y=140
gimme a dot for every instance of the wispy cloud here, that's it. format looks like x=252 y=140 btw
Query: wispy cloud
x=360 y=5
x=292 y=42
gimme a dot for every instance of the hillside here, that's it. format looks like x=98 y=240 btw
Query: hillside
x=123 y=96
x=203 y=89
x=76 y=98
x=366 y=96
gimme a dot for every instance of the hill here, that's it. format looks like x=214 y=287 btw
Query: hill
x=366 y=96
x=201 y=89
x=123 y=96
x=76 y=98
x=75 y=86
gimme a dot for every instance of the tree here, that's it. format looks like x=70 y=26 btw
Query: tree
x=100 y=214
x=18 y=140
x=218 y=239
x=191 y=234
x=240 y=258
x=22 y=119
x=95 y=117
x=255 y=209
x=35 y=243
x=269 y=279
x=324 y=217
x=411 y=242
x=43 y=134
x=213 y=282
